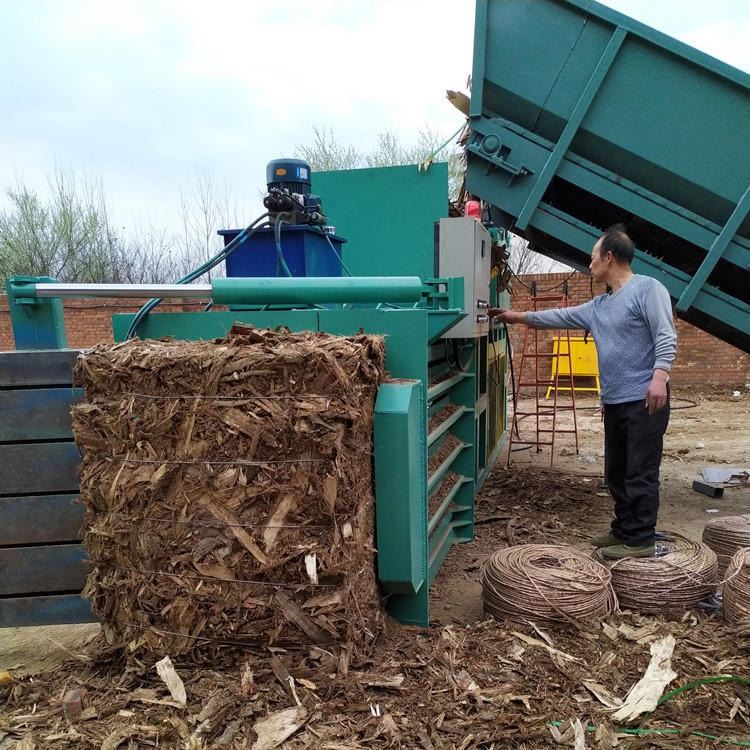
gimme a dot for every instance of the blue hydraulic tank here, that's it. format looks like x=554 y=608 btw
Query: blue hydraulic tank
x=307 y=250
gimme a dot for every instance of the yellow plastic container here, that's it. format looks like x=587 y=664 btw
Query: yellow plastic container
x=583 y=361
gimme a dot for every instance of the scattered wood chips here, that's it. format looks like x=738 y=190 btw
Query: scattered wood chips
x=473 y=687
x=481 y=685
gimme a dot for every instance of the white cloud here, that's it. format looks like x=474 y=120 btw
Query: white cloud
x=727 y=40
x=142 y=91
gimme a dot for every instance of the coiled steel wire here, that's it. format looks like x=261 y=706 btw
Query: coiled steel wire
x=725 y=536
x=736 y=587
x=546 y=582
x=685 y=575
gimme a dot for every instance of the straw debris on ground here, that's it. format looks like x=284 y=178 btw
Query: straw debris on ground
x=457 y=687
x=474 y=685
x=228 y=490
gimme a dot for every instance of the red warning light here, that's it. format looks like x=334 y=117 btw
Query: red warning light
x=473 y=209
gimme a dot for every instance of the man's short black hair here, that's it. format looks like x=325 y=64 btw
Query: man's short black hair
x=615 y=240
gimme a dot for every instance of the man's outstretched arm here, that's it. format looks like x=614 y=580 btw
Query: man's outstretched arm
x=501 y=315
x=578 y=317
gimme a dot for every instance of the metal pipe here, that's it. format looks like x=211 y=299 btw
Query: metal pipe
x=41 y=290
x=249 y=290
x=311 y=290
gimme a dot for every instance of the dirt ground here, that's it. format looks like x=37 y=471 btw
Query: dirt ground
x=528 y=502
x=704 y=430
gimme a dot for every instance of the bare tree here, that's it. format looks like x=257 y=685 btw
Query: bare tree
x=68 y=234
x=205 y=207
x=524 y=260
x=390 y=152
x=326 y=154
x=149 y=254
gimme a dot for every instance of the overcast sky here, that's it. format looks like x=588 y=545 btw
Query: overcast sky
x=140 y=93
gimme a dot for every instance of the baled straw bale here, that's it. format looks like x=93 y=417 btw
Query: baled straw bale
x=229 y=491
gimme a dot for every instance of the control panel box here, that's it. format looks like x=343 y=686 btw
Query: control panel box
x=465 y=249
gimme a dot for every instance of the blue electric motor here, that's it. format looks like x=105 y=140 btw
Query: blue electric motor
x=307 y=246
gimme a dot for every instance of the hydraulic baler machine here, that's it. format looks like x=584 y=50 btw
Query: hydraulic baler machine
x=288 y=268
x=580 y=117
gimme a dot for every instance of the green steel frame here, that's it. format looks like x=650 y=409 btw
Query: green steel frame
x=412 y=541
x=563 y=123
x=36 y=323
x=691 y=291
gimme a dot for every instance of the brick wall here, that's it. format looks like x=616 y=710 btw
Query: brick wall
x=702 y=360
x=89 y=321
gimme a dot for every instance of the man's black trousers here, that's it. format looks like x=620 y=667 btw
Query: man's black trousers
x=633 y=443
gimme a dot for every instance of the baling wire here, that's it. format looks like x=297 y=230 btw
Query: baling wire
x=549 y=582
x=725 y=536
x=679 y=579
x=736 y=588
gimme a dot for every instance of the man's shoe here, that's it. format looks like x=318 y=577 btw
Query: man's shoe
x=605 y=540
x=621 y=551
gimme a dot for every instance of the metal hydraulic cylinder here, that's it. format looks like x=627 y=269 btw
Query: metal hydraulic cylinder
x=249 y=290
x=311 y=290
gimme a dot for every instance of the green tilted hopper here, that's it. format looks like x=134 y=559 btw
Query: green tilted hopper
x=582 y=117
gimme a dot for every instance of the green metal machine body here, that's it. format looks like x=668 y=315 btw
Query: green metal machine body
x=429 y=460
x=37 y=324
x=412 y=542
x=582 y=117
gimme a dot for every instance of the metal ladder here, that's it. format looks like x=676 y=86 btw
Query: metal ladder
x=545 y=435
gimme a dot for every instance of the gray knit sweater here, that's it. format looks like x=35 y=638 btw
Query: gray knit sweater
x=634 y=334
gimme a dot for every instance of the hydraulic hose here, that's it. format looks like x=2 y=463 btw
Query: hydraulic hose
x=247 y=232
x=338 y=257
x=280 y=260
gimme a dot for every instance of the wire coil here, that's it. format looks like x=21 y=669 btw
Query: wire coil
x=736 y=587
x=725 y=536
x=685 y=575
x=546 y=582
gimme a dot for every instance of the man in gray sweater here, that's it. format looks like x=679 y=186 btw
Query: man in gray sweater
x=635 y=337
